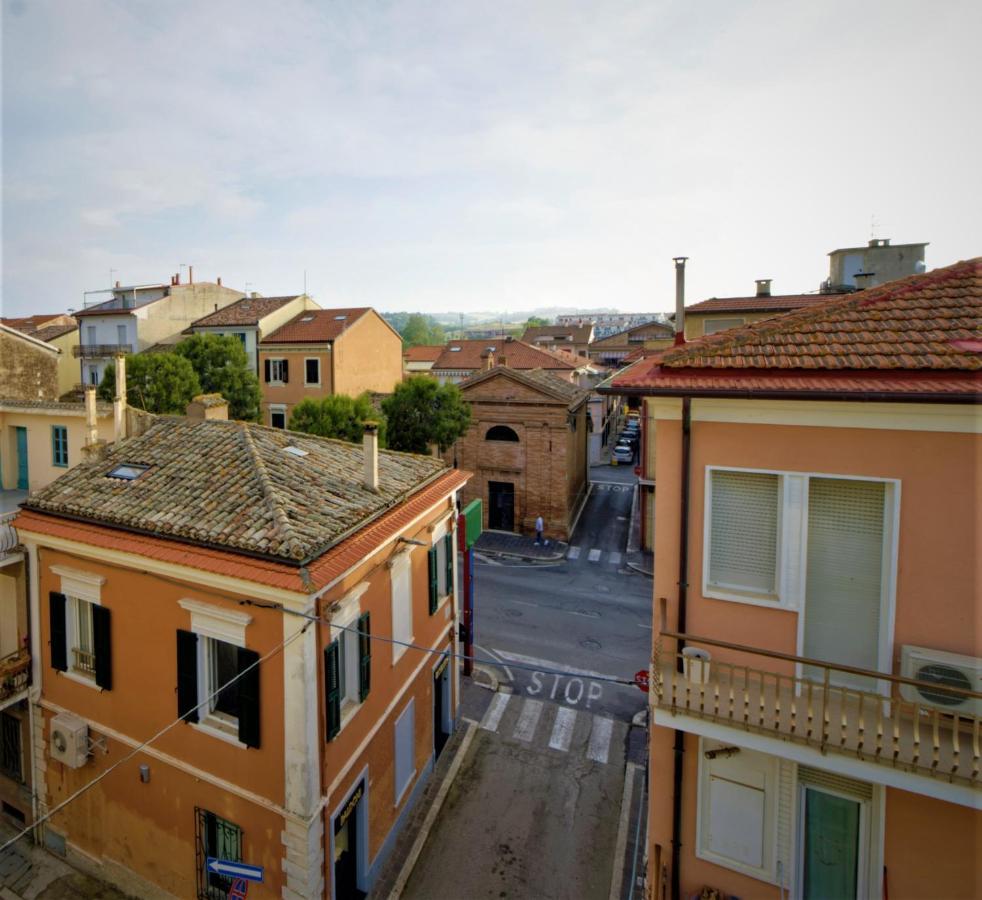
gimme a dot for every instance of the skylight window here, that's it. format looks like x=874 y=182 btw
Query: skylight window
x=127 y=471
x=340 y=318
x=307 y=319
x=294 y=451
x=455 y=349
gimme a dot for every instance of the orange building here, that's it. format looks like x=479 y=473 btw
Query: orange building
x=816 y=678
x=247 y=632
x=321 y=352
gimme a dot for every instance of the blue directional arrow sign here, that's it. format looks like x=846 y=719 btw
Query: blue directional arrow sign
x=234 y=869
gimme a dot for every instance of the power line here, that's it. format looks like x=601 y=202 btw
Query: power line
x=60 y=806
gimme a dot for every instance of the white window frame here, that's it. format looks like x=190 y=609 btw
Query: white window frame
x=275 y=366
x=444 y=591
x=400 y=790
x=277 y=408
x=400 y=567
x=317 y=360
x=214 y=623
x=345 y=617
x=85 y=587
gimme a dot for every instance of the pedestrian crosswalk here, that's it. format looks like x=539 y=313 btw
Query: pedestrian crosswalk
x=596 y=555
x=560 y=728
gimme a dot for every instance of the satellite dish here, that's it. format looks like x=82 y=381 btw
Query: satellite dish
x=920 y=267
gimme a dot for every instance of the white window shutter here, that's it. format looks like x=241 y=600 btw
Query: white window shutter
x=743 y=531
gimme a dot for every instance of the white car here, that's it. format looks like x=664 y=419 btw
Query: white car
x=622 y=454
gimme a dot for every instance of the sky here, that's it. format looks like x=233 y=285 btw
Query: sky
x=469 y=156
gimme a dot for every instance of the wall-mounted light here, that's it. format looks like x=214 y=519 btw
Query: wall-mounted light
x=144 y=773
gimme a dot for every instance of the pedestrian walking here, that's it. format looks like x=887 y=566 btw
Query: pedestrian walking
x=539 y=526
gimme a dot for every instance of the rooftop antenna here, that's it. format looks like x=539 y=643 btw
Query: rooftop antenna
x=181 y=266
x=305 y=282
x=873 y=226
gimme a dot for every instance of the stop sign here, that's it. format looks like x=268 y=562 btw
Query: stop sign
x=641 y=679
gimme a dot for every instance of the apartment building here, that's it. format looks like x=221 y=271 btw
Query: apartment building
x=251 y=319
x=610 y=351
x=137 y=317
x=575 y=339
x=816 y=683
x=283 y=622
x=321 y=352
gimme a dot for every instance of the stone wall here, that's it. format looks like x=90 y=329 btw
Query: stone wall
x=27 y=372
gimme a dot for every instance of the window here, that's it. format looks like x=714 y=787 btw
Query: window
x=277 y=416
x=127 y=471
x=218 y=838
x=11 y=756
x=241 y=336
x=209 y=657
x=743 y=536
x=402 y=602
x=121 y=335
x=440 y=566
x=277 y=371
x=80 y=638
x=347 y=670
x=90 y=334
x=713 y=325
x=312 y=371
x=405 y=734
x=59 y=445
x=93 y=375
x=501 y=433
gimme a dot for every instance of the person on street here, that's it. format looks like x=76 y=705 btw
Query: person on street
x=539 y=526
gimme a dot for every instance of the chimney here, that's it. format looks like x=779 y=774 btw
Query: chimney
x=864 y=280
x=763 y=287
x=119 y=404
x=117 y=284
x=679 y=298
x=208 y=406
x=370 y=445
x=218 y=281
x=177 y=278
x=502 y=359
x=91 y=422
x=190 y=274
x=488 y=359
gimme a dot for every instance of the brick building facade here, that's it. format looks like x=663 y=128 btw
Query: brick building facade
x=527 y=448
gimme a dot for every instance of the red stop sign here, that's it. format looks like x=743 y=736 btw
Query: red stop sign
x=641 y=679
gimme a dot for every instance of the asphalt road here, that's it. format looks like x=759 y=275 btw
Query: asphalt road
x=562 y=632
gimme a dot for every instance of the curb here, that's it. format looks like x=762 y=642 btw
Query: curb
x=508 y=554
x=639 y=569
x=485 y=670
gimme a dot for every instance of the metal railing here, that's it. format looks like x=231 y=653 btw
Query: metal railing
x=836 y=708
x=8 y=534
x=84 y=661
x=98 y=351
x=15 y=673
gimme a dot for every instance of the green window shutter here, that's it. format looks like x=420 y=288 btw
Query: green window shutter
x=449 y=555
x=332 y=690
x=57 y=606
x=364 y=656
x=434 y=586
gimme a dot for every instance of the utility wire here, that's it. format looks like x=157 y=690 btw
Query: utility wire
x=60 y=806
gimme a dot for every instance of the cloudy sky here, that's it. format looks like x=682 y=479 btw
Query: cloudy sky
x=465 y=156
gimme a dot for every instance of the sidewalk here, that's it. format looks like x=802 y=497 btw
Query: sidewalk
x=642 y=561
x=518 y=546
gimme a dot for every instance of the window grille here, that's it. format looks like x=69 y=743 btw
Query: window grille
x=218 y=838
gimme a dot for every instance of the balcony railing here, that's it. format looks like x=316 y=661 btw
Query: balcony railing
x=15 y=673
x=99 y=351
x=835 y=708
x=8 y=535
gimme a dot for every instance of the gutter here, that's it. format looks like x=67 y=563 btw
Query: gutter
x=757 y=394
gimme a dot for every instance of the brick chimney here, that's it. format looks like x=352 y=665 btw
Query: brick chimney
x=208 y=406
x=488 y=358
x=370 y=445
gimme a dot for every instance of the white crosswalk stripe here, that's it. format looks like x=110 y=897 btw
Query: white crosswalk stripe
x=614 y=558
x=562 y=730
x=528 y=720
x=600 y=734
x=594 y=555
x=573 y=553
x=496 y=710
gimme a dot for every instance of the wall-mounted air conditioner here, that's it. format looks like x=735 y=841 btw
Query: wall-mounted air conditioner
x=69 y=740
x=943 y=669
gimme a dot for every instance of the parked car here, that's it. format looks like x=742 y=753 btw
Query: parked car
x=622 y=455
x=628 y=437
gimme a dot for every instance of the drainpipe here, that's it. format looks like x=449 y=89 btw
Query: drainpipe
x=679 y=298
x=680 y=627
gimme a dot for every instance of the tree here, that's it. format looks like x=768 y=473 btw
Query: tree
x=420 y=329
x=336 y=416
x=157 y=382
x=422 y=412
x=223 y=367
x=535 y=321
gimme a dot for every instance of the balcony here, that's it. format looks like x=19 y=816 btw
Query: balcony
x=9 y=507
x=809 y=702
x=100 y=351
x=15 y=674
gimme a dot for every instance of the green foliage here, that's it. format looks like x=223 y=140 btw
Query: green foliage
x=422 y=412
x=157 y=382
x=336 y=416
x=535 y=321
x=223 y=367
x=420 y=329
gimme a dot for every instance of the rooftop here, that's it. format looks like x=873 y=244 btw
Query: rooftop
x=234 y=486
x=776 y=303
x=575 y=334
x=915 y=335
x=43 y=327
x=423 y=353
x=247 y=311
x=537 y=379
x=316 y=326
x=519 y=355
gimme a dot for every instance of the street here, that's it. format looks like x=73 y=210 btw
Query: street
x=536 y=808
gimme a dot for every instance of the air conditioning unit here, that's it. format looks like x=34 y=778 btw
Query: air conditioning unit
x=69 y=740
x=944 y=670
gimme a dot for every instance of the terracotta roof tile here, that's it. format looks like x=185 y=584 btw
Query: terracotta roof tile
x=423 y=353
x=518 y=354
x=247 y=311
x=537 y=379
x=315 y=326
x=775 y=303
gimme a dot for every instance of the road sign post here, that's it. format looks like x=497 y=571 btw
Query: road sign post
x=231 y=869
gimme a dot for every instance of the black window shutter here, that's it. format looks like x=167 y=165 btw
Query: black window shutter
x=434 y=587
x=266 y=368
x=248 y=698
x=56 y=620
x=187 y=675
x=364 y=656
x=102 y=645
x=332 y=690
x=286 y=371
x=449 y=554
